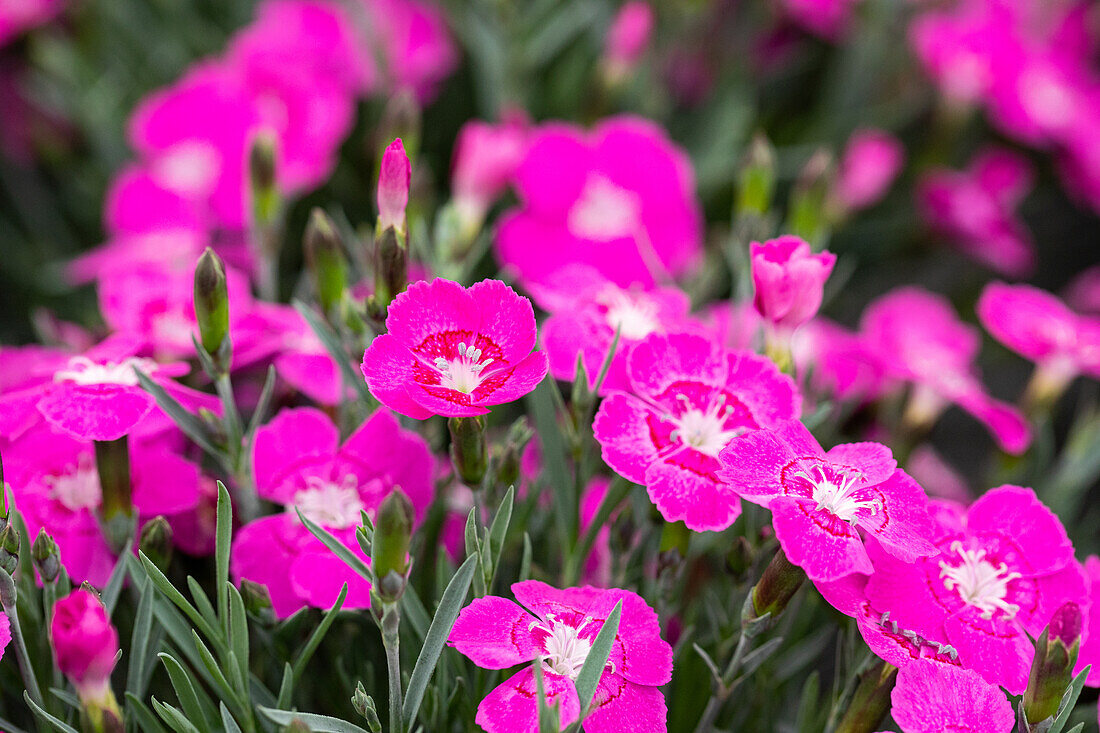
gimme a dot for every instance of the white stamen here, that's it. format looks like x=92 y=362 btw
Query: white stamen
x=838 y=495
x=705 y=430
x=634 y=317
x=979 y=582
x=329 y=504
x=82 y=370
x=79 y=488
x=566 y=650
x=604 y=211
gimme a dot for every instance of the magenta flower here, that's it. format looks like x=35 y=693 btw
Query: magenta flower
x=5 y=633
x=1090 y=640
x=921 y=341
x=871 y=161
x=586 y=310
x=393 y=187
x=84 y=642
x=820 y=500
x=933 y=698
x=964 y=50
x=826 y=18
x=301 y=464
x=628 y=37
x=144 y=199
x=734 y=325
x=690 y=398
x=1083 y=292
x=1005 y=566
x=975 y=210
x=414 y=44
x=558 y=627
x=454 y=351
x=789 y=280
x=1040 y=327
x=173 y=249
x=839 y=363
x=619 y=198
x=303 y=362
x=485 y=158
x=55 y=484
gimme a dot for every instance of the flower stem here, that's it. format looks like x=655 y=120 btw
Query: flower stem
x=8 y=601
x=391 y=621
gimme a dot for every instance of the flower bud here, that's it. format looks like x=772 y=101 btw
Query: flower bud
x=211 y=302
x=9 y=548
x=780 y=581
x=390 y=545
x=789 y=280
x=511 y=455
x=46 y=556
x=257 y=601
x=85 y=645
x=808 y=215
x=756 y=179
x=1052 y=667
x=262 y=166
x=325 y=257
x=364 y=705
x=391 y=267
x=156 y=542
x=469 y=452
x=627 y=39
x=393 y=187
x=872 y=159
x=871 y=700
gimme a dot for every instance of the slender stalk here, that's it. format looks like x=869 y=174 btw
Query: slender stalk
x=8 y=600
x=725 y=689
x=391 y=621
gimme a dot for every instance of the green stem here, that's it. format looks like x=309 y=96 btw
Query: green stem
x=726 y=686
x=391 y=621
x=8 y=598
x=116 y=511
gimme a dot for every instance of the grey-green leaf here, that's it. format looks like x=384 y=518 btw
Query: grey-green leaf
x=589 y=676
x=316 y=723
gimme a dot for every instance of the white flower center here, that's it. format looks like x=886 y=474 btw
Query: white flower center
x=189 y=167
x=565 y=648
x=79 y=488
x=329 y=504
x=838 y=493
x=967 y=79
x=635 y=317
x=979 y=582
x=604 y=211
x=174 y=328
x=705 y=430
x=82 y=370
x=464 y=372
x=1045 y=97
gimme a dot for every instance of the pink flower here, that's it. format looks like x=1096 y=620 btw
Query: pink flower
x=454 y=351
x=5 y=633
x=17 y=16
x=964 y=50
x=1090 y=643
x=821 y=500
x=55 y=484
x=485 y=158
x=597 y=568
x=1083 y=292
x=733 y=325
x=826 y=18
x=871 y=162
x=975 y=210
x=586 y=310
x=143 y=199
x=628 y=36
x=690 y=398
x=560 y=626
x=1005 y=565
x=301 y=464
x=1040 y=327
x=84 y=642
x=303 y=362
x=920 y=340
x=937 y=477
x=932 y=698
x=789 y=280
x=393 y=187
x=839 y=363
x=619 y=198
x=170 y=249
x=414 y=43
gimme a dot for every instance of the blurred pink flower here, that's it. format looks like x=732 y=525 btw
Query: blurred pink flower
x=821 y=500
x=620 y=199
x=301 y=464
x=689 y=399
x=826 y=18
x=871 y=161
x=559 y=627
x=1090 y=643
x=788 y=280
x=454 y=351
x=17 y=16
x=1083 y=292
x=414 y=42
x=486 y=156
x=839 y=362
x=628 y=37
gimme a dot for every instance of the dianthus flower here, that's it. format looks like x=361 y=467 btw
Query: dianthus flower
x=557 y=628
x=821 y=500
x=872 y=160
x=301 y=464
x=1005 y=565
x=454 y=351
x=689 y=399
x=933 y=698
x=1090 y=643
x=788 y=280
x=619 y=198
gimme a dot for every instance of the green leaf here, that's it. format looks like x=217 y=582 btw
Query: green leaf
x=540 y=403
x=525 y=561
x=202 y=601
x=316 y=723
x=592 y=670
x=303 y=657
x=228 y=723
x=139 y=642
x=1069 y=699
x=189 y=698
x=605 y=367
x=445 y=615
x=113 y=588
x=147 y=722
x=66 y=697
x=168 y=590
x=338 y=548
x=549 y=718
x=216 y=676
x=45 y=717
x=759 y=655
x=263 y=405
x=414 y=612
x=176 y=720
x=498 y=531
x=286 y=688
x=193 y=427
x=335 y=349
x=238 y=631
x=223 y=542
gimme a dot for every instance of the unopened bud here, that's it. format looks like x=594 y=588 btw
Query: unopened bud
x=756 y=179
x=390 y=545
x=262 y=166
x=871 y=700
x=9 y=548
x=257 y=601
x=808 y=216
x=325 y=258
x=156 y=542
x=780 y=581
x=1052 y=667
x=511 y=455
x=297 y=725
x=391 y=267
x=211 y=302
x=469 y=452
x=394 y=178
x=364 y=705
x=46 y=556
x=627 y=39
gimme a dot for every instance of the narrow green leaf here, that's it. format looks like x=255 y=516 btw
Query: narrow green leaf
x=195 y=710
x=286 y=688
x=303 y=657
x=335 y=349
x=167 y=589
x=139 y=642
x=66 y=697
x=498 y=531
x=192 y=426
x=589 y=676
x=202 y=601
x=759 y=655
x=223 y=542
x=113 y=588
x=605 y=367
x=238 y=630
x=446 y=613
x=263 y=406
x=549 y=718
x=46 y=718
x=316 y=723
x=176 y=720
x=414 y=612
x=217 y=677
x=338 y=548
x=137 y=710
x=1069 y=699
x=525 y=561
x=540 y=404
x=228 y=723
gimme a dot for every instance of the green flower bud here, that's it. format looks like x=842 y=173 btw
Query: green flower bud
x=756 y=179
x=1052 y=667
x=9 y=548
x=469 y=452
x=391 y=267
x=46 y=556
x=211 y=303
x=261 y=175
x=390 y=545
x=156 y=542
x=511 y=455
x=809 y=216
x=116 y=510
x=325 y=257
x=364 y=705
x=257 y=602
x=871 y=700
x=780 y=581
